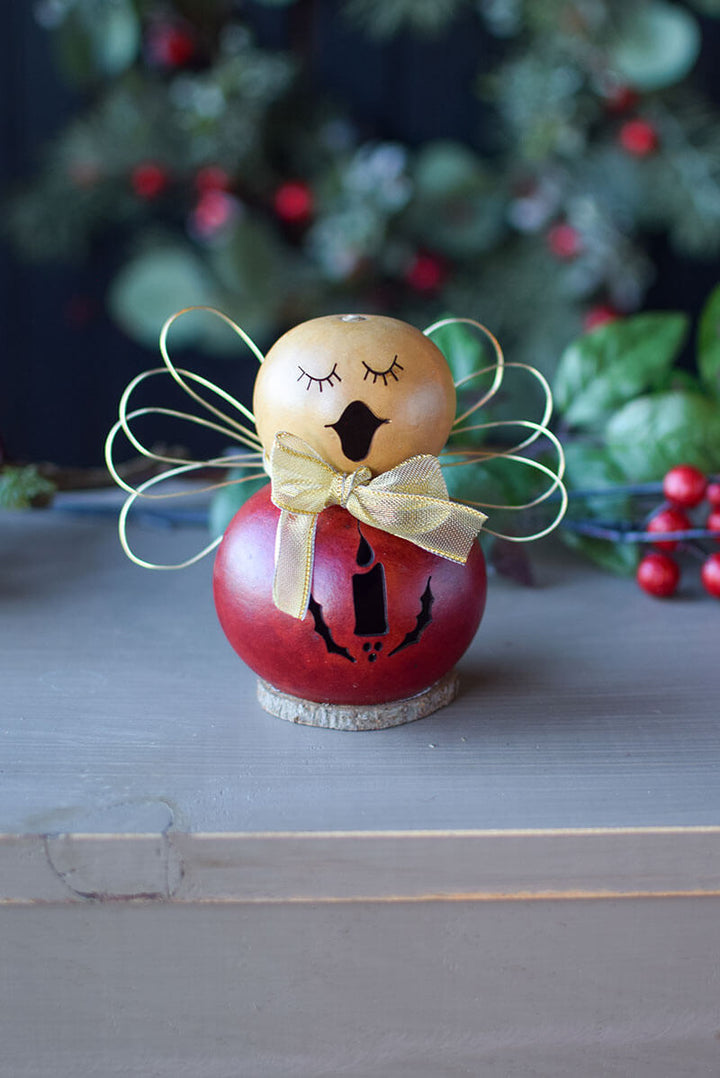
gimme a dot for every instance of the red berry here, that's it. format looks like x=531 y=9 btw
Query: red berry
x=214 y=210
x=426 y=273
x=658 y=575
x=621 y=99
x=638 y=137
x=294 y=202
x=212 y=178
x=712 y=493
x=710 y=575
x=684 y=485
x=148 y=180
x=599 y=316
x=668 y=520
x=564 y=241
x=170 y=46
x=713 y=522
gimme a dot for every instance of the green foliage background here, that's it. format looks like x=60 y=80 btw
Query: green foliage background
x=557 y=80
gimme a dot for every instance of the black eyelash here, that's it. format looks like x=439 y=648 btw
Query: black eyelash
x=328 y=377
x=389 y=373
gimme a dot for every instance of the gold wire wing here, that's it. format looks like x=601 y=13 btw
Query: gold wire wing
x=450 y=458
x=237 y=430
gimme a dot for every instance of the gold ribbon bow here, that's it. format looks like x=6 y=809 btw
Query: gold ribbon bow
x=410 y=501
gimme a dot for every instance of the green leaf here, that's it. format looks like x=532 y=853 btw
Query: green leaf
x=228 y=500
x=74 y=51
x=115 y=35
x=155 y=284
x=471 y=483
x=457 y=207
x=707 y=7
x=653 y=433
x=679 y=379
x=498 y=483
x=462 y=347
x=657 y=46
x=591 y=467
x=708 y=356
x=620 y=558
x=614 y=363
x=99 y=37
x=258 y=275
x=444 y=167
x=22 y=487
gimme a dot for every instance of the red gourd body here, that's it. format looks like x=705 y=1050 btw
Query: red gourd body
x=386 y=618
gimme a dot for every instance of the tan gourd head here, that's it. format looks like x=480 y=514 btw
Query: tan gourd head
x=362 y=390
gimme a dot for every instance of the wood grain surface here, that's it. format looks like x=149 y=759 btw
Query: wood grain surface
x=583 y=703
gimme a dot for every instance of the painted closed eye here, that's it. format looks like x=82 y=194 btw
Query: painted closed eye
x=329 y=378
x=389 y=373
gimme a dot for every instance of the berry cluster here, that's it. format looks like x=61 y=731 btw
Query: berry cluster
x=685 y=488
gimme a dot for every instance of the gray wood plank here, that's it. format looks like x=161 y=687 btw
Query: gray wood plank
x=555 y=989
x=350 y=866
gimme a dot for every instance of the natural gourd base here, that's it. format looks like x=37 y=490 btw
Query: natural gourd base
x=353 y=717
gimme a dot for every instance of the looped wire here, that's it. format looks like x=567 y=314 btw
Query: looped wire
x=235 y=430
x=513 y=452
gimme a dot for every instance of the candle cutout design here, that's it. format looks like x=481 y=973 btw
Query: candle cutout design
x=323 y=629
x=369 y=597
x=423 y=620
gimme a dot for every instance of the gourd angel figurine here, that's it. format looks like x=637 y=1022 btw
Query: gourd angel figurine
x=351 y=583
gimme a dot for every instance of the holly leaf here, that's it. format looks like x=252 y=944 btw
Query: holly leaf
x=620 y=558
x=614 y=363
x=591 y=468
x=708 y=351
x=650 y=435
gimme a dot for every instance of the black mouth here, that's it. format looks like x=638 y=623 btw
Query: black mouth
x=356 y=428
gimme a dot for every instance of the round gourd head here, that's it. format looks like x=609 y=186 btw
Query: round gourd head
x=362 y=390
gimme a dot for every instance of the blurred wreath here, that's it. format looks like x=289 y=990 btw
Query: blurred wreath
x=225 y=178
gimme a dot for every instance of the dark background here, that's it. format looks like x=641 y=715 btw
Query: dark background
x=64 y=363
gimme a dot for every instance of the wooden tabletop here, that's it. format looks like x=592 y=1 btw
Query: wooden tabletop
x=526 y=882
x=584 y=704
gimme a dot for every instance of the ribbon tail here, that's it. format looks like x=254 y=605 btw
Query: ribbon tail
x=294 y=555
